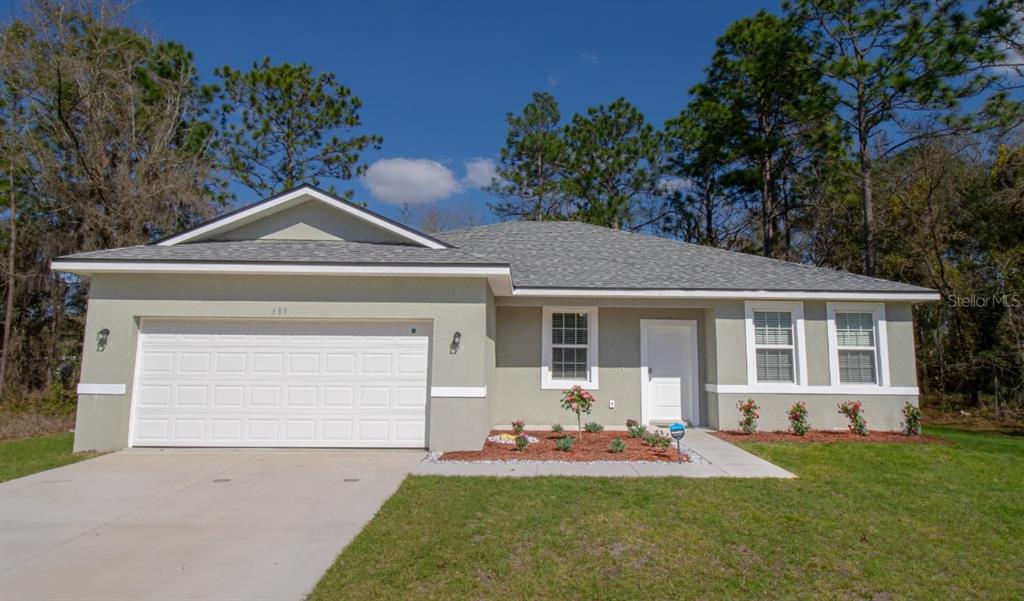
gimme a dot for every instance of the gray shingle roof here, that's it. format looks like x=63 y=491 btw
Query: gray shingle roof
x=287 y=251
x=541 y=255
x=576 y=255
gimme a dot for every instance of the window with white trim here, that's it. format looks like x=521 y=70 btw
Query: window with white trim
x=855 y=347
x=774 y=346
x=858 y=351
x=776 y=355
x=569 y=343
x=570 y=347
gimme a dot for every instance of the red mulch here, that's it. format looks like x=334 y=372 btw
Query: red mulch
x=825 y=436
x=593 y=447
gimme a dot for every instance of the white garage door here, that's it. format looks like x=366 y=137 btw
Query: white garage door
x=280 y=383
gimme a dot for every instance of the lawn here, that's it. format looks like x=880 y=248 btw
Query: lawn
x=863 y=521
x=30 y=455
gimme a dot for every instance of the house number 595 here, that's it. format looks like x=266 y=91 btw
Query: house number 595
x=279 y=311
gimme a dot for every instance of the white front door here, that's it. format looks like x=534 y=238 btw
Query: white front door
x=669 y=370
x=248 y=383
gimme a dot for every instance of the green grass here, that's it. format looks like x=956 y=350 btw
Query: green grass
x=863 y=521
x=30 y=455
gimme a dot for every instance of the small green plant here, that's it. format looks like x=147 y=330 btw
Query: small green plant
x=522 y=442
x=564 y=443
x=635 y=428
x=798 y=418
x=911 y=419
x=593 y=427
x=578 y=401
x=518 y=425
x=657 y=440
x=749 y=412
x=557 y=428
x=853 y=412
x=617 y=445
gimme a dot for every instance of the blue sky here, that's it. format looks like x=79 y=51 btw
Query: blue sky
x=437 y=78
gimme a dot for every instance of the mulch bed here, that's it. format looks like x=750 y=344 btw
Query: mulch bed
x=593 y=447
x=825 y=436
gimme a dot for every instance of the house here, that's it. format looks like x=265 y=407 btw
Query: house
x=305 y=320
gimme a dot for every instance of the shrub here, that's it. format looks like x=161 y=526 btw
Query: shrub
x=578 y=401
x=798 y=418
x=518 y=425
x=617 y=445
x=631 y=422
x=564 y=443
x=593 y=427
x=749 y=412
x=522 y=442
x=911 y=419
x=557 y=428
x=853 y=412
x=657 y=440
x=636 y=430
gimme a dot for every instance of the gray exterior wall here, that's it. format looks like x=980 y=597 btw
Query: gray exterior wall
x=517 y=393
x=118 y=301
x=882 y=412
x=310 y=220
x=500 y=348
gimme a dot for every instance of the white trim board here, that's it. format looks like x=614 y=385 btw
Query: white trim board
x=459 y=392
x=87 y=267
x=114 y=389
x=727 y=294
x=295 y=197
x=834 y=390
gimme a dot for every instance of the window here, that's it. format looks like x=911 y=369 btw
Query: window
x=775 y=341
x=856 y=343
x=570 y=346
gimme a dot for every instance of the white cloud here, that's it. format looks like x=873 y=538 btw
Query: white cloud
x=412 y=181
x=480 y=172
x=589 y=57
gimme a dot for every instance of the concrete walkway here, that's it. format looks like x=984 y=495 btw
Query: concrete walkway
x=197 y=524
x=724 y=460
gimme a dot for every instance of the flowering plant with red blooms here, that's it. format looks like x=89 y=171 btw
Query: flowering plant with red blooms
x=798 y=418
x=578 y=401
x=518 y=426
x=632 y=423
x=749 y=412
x=852 y=410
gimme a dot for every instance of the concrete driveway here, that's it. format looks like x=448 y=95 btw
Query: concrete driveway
x=189 y=524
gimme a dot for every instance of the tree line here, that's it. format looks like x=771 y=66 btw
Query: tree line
x=879 y=137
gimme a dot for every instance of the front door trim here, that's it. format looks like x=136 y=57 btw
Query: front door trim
x=694 y=367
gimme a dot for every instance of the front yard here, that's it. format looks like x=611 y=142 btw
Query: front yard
x=30 y=455
x=863 y=521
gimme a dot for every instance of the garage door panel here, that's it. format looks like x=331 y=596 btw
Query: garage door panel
x=251 y=383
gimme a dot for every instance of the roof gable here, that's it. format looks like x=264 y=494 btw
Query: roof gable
x=304 y=213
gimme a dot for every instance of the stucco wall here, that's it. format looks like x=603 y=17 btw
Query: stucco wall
x=517 y=393
x=882 y=412
x=310 y=220
x=117 y=301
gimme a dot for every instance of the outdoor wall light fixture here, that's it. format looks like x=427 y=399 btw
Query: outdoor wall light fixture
x=456 y=340
x=101 y=339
